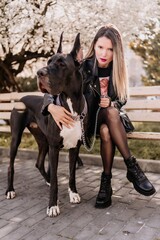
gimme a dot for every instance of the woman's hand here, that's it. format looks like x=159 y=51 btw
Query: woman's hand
x=105 y=102
x=61 y=115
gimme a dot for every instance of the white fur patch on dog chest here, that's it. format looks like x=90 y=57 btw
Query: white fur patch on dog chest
x=71 y=135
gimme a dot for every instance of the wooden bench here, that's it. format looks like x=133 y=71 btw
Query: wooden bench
x=7 y=102
x=143 y=106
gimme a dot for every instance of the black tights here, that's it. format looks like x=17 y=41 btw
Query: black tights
x=112 y=134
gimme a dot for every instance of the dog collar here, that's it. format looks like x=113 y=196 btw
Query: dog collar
x=78 y=117
x=83 y=114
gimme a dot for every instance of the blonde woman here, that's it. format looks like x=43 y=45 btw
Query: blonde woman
x=105 y=86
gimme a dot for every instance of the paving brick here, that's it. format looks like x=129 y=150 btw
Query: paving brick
x=3 y=211
x=49 y=236
x=69 y=232
x=3 y=223
x=146 y=233
x=154 y=220
x=17 y=234
x=83 y=220
x=145 y=212
x=126 y=214
x=10 y=227
x=133 y=227
x=109 y=230
x=11 y=213
x=88 y=232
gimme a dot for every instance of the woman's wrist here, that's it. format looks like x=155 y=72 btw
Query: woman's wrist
x=50 y=107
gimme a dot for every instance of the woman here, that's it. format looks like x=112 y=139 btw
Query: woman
x=105 y=86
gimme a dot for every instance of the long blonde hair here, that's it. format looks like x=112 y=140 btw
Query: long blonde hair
x=120 y=78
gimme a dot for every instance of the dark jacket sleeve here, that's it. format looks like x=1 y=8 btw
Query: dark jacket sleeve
x=48 y=99
x=119 y=103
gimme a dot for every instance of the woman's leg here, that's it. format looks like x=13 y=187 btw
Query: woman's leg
x=107 y=150
x=118 y=135
x=111 y=117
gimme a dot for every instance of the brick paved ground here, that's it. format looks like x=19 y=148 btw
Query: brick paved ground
x=131 y=216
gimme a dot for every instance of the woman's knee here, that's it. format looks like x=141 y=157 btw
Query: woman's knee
x=112 y=114
x=104 y=133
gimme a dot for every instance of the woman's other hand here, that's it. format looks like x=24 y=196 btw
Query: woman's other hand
x=105 y=102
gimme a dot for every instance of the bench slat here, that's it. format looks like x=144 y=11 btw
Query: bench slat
x=144 y=91
x=5 y=128
x=5 y=115
x=10 y=106
x=144 y=135
x=136 y=116
x=7 y=97
x=143 y=104
x=144 y=116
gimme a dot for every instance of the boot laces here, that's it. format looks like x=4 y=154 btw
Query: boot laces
x=139 y=173
x=105 y=185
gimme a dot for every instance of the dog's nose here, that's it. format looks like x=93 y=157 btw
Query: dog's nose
x=42 y=72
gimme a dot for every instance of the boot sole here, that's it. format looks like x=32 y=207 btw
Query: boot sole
x=104 y=205
x=139 y=190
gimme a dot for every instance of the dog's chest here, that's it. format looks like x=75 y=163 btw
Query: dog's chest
x=71 y=135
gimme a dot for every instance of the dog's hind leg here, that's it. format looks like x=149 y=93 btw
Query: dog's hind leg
x=18 y=124
x=79 y=162
x=43 y=149
x=73 y=194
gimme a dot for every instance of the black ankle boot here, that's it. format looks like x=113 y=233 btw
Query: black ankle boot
x=138 y=178
x=103 y=199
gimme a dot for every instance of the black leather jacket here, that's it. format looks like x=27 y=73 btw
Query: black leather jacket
x=91 y=89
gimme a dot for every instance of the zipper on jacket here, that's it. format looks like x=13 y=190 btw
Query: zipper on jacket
x=93 y=89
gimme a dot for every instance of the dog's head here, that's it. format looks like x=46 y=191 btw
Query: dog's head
x=61 y=69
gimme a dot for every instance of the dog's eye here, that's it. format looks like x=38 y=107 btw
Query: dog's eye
x=60 y=63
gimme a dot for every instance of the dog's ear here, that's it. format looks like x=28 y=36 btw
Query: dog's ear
x=59 y=50
x=77 y=52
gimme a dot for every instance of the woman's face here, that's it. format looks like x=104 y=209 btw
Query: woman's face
x=103 y=51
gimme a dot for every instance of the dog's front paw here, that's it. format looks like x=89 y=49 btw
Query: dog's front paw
x=10 y=194
x=74 y=197
x=53 y=211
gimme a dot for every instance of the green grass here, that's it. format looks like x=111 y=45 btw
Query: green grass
x=27 y=141
x=140 y=148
